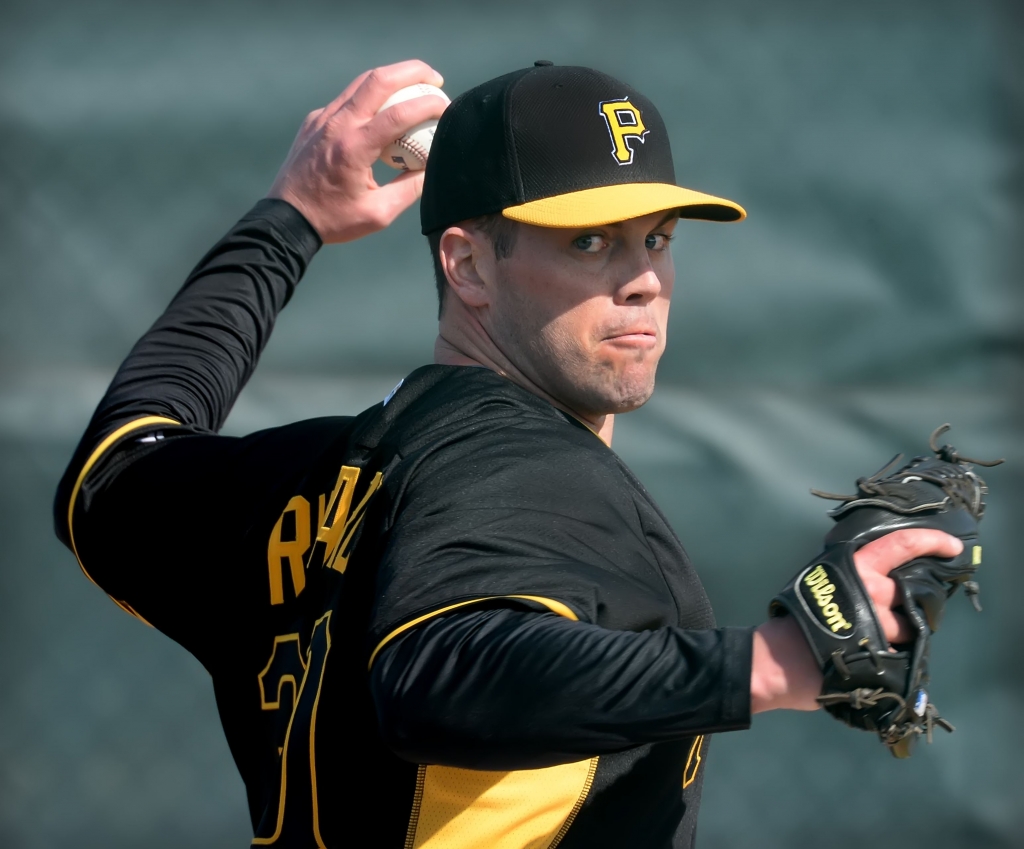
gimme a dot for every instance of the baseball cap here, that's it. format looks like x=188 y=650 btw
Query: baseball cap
x=556 y=146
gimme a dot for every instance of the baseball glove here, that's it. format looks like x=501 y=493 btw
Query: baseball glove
x=868 y=683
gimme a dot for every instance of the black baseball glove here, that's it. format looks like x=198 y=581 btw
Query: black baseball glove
x=868 y=683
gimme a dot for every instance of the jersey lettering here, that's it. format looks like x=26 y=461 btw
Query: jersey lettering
x=330 y=533
x=334 y=538
x=292 y=549
x=336 y=524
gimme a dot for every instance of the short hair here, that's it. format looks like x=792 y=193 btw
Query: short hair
x=500 y=230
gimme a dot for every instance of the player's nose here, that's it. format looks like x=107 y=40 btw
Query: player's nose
x=639 y=283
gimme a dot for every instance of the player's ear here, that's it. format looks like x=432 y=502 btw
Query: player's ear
x=464 y=257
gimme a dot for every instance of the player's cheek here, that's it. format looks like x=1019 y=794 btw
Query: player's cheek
x=664 y=267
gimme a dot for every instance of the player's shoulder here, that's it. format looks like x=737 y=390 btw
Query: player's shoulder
x=474 y=407
x=474 y=435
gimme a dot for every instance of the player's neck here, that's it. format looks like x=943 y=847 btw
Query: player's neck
x=463 y=353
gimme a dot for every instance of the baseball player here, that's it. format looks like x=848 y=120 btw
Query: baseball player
x=456 y=619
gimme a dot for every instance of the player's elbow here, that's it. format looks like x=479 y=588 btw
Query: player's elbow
x=451 y=692
x=411 y=722
x=428 y=710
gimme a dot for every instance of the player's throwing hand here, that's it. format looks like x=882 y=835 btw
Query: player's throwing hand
x=328 y=174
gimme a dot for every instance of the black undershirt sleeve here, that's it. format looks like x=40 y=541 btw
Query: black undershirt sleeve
x=513 y=689
x=193 y=362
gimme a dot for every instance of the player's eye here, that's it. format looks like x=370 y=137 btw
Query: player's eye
x=591 y=243
x=657 y=241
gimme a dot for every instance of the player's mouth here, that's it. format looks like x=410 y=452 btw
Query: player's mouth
x=643 y=337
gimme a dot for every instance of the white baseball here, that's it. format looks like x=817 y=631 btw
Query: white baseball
x=409 y=153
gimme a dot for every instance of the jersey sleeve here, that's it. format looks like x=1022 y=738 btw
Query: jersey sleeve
x=153 y=500
x=175 y=531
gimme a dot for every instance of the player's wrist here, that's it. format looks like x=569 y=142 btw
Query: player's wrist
x=783 y=673
x=309 y=211
x=289 y=223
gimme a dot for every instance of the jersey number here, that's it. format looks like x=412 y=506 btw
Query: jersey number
x=294 y=814
x=693 y=761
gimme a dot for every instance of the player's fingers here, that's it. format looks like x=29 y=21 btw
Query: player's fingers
x=884 y=596
x=312 y=120
x=875 y=561
x=393 y=199
x=350 y=89
x=886 y=553
x=895 y=626
x=882 y=590
x=383 y=82
x=396 y=120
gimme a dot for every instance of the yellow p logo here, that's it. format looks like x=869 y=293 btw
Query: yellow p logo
x=624 y=122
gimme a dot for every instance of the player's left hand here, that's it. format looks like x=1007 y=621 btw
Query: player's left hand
x=878 y=558
x=328 y=174
x=785 y=673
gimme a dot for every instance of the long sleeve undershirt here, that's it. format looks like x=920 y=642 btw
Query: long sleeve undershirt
x=511 y=689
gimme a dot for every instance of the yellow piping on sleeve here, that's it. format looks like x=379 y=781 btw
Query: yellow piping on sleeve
x=93 y=459
x=552 y=605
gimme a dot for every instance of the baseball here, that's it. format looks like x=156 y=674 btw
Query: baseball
x=409 y=153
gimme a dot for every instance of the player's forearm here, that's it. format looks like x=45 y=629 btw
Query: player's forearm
x=510 y=689
x=193 y=362
x=783 y=673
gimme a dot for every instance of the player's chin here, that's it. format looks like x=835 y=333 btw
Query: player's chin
x=634 y=397
x=628 y=389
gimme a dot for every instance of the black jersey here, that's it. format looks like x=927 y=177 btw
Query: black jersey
x=455 y=620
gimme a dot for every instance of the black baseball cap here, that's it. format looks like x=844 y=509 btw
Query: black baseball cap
x=556 y=146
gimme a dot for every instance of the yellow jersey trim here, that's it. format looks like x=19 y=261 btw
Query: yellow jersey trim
x=99 y=451
x=552 y=605
x=611 y=204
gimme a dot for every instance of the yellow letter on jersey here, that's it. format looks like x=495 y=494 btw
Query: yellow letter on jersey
x=335 y=538
x=624 y=123
x=291 y=550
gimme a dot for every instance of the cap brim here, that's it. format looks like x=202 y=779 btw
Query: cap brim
x=608 y=204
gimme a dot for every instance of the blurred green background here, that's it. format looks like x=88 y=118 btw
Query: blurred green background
x=874 y=292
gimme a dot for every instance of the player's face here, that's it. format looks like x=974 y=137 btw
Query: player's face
x=583 y=313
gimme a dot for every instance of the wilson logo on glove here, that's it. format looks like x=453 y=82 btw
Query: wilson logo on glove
x=827 y=601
